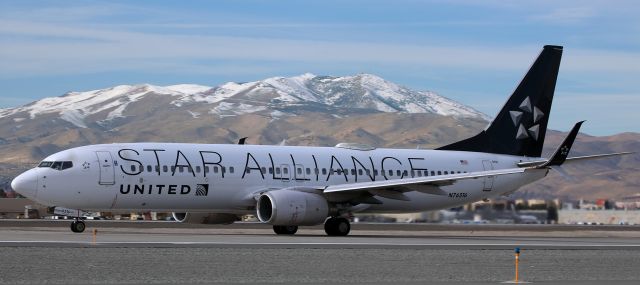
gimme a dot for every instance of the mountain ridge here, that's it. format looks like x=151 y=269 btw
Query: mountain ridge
x=279 y=94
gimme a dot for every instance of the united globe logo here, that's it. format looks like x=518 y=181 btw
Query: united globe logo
x=202 y=190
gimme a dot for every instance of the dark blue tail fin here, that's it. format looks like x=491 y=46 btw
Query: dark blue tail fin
x=521 y=125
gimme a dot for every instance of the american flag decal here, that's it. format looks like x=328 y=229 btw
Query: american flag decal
x=202 y=190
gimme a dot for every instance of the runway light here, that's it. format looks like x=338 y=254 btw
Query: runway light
x=517 y=261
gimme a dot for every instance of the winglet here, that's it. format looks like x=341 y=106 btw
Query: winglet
x=242 y=140
x=561 y=153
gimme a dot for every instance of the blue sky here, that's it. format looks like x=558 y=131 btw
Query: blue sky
x=471 y=51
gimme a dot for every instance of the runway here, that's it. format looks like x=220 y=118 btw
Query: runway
x=168 y=253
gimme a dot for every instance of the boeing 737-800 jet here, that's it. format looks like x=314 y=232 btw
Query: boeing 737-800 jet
x=291 y=186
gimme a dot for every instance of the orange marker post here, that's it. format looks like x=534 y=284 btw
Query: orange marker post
x=95 y=234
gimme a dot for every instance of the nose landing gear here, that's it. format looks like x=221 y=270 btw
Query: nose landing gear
x=77 y=226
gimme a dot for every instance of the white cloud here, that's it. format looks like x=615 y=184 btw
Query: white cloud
x=62 y=48
x=566 y=15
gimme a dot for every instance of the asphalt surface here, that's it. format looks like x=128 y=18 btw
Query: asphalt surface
x=148 y=253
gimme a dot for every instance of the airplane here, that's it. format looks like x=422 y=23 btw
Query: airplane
x=292 y=186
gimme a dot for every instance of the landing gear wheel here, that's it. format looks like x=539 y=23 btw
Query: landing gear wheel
x=77 y=226
x=285 y=230
x=337 y=226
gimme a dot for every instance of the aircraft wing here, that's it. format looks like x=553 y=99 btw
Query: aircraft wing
x=393 y=188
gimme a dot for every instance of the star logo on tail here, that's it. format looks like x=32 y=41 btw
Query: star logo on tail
x=526 y=109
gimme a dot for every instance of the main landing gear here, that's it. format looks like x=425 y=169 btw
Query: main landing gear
x=337 y=226
x=334 y=226
x=285 y=230
x=77 y=226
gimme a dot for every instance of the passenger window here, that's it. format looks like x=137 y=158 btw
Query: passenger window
x=157 y=168
x=324 y=171
x=433 y=173
x=206 y=169
x=439 y=172
x=308 y=171
x=270 y=170
x=299 y=171
x=398 y=172
x=277 y=170
x=215 y=169
x=360 y=171
x=165 y=169
x=375 y=172
x=285 y=170
x=413 y=173
x=390 y=172
x=231 y=169
x=149 y=168
x=133 y=168
x=181 y=169
x=264 y=170
x=173 y=169
x=426 y=173
x=198 y=169
x=247 y=170
x=190 y=169
x=353 y=172
x=446 y=172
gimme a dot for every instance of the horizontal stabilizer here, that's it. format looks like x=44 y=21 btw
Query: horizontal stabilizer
x=573 y=159
x=561 y=153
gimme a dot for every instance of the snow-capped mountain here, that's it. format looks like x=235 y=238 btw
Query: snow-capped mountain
x=274 y=97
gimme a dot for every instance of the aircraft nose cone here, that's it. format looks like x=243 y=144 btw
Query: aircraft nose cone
x=26 y=184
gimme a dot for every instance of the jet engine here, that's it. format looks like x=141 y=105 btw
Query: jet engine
x=292 y=208
x=205 y=218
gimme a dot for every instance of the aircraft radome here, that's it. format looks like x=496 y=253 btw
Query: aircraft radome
x=291 y=186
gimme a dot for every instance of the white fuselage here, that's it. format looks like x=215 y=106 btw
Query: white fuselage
x=226 y=178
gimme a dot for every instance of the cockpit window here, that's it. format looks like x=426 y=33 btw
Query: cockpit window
x=45 y=164
x=66 y=164
x=57 y=165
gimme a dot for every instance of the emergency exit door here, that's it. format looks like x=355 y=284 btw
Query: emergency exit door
x=488 y=180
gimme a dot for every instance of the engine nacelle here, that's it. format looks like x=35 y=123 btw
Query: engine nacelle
x=205 y=218
x=292 y=208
